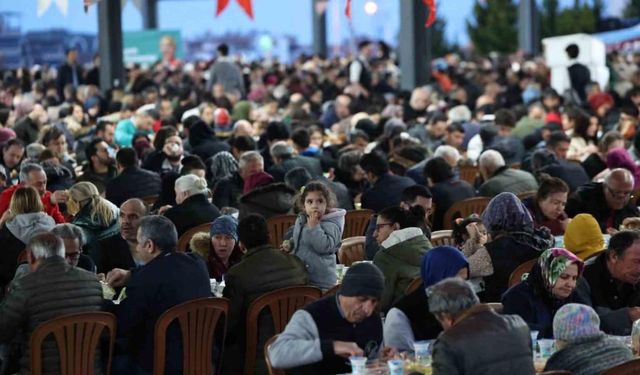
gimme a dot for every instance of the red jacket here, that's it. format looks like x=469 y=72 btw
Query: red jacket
x=51 y=209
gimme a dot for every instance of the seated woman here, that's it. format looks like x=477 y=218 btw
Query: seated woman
x=582 y=348
x=514 y=240
x=219 y=247
x=547 y=206
x=470 y=236
x=402 y=245
x=583 y=236
x=193 y=207
x=550 y=285
x=583 y=139
x=24 y=218
x=96 y=216
x=409 y=319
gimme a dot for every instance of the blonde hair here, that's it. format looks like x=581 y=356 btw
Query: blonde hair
x=192 y=185
x=25 y=200
x=87 y=192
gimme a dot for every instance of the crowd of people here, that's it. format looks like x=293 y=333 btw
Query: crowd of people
x=98 y=186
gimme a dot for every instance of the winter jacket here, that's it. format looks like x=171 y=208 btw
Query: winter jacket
x=590 y=356
x=409 y=321
x=262 y=269
x=385 y=192
x=610 y=297
x=445 y=194
x=268 y=200
x=227 y=192
x=483 y=342
x=399 y=259
x=100 y=180
x=114 y=252
x=53 y=290
x=14 y=236
x=133 y=182
x=50 y=209
x=201 y=244
x=509 y=180
x=192 y=212
x=590 y=199
x=316 y=247
x=94 y=229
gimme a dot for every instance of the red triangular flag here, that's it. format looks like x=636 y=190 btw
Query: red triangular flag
x=246 y=5
x=222 y=5
x=431 y=4
x=347 y=10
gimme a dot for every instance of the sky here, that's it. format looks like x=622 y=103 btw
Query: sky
x=277 y=17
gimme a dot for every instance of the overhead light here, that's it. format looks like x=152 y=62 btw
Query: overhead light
x=370 y=7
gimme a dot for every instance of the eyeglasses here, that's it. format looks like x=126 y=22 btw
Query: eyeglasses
x=619 y=194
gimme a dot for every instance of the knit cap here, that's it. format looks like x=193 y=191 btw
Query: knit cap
x=362 y=279
x=583 y=236
x=574 y=322
x=225 y=224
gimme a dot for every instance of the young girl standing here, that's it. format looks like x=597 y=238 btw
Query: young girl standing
x=317 y=233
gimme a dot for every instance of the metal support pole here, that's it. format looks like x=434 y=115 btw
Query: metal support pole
x=528 y=27
x=150 y=14
x=319 y=29
x=415 y=44
x=110 y=48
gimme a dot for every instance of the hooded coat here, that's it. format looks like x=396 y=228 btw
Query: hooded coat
x=269 y=200
x=316 y=247
x=203 y=141
x=399 y=259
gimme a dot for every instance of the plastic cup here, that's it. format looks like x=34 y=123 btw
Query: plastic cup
x=546 y=347
x=421 y=349
x=534 y=342
x=396 y=367
x=213 y=283
x=358 y=365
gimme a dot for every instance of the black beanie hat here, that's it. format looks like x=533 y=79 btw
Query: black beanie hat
x=362 y=279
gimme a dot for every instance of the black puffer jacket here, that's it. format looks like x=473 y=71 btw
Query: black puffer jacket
x=53 y=290
x=269 y=200
x=463 y=349
x=133 y=182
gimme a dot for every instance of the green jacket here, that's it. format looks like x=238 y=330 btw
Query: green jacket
x=262 y=269
x=399 y=259
x=510 y=180
x=526 y=126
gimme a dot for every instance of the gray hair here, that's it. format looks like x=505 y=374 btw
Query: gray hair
x=192 y=184
x=459 y=113
x=46 y=245
x=33 y=150
x=451 y=296
x=447 y=153
x=621 y=174
x=160 y=230
x=69 y=231
x=280 y=149
x=27 y=168
x=491 y=160
x=249 y=156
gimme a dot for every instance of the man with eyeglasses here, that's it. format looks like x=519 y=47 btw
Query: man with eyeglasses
x=609 y=202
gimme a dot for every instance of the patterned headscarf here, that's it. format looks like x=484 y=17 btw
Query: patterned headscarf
x=506 y=213
x=223 y=165
x=554 y=262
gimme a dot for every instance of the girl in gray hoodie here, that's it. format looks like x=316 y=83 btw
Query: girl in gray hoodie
x=317 y=233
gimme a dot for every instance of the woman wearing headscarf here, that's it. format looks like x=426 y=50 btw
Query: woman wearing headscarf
x=620 y=158
x=583 y=236
x=514 y=240
x=409 y=319
x=223 y=164
x=550 y=285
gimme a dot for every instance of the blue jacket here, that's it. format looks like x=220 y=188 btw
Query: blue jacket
x=169 y=279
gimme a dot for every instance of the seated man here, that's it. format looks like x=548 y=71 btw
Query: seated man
x=499 y=178
x=132 y=181
x=612 y=282
x=53 y=288
x=120 y=250
x=475 y=337
x=321 y=337
x=262 y=269
x=608 y=202
x=166 y=279
x=385 y=188
x=33 y=175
